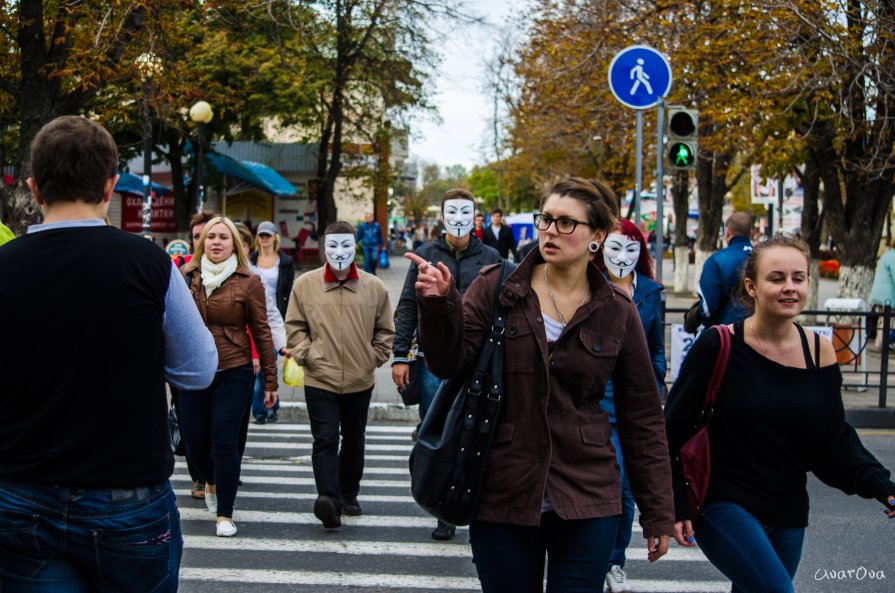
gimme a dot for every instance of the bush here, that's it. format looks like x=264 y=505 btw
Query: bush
x=829 y=268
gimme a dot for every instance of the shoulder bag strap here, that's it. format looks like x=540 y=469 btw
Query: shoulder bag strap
x=711 y=392
x=493 y=342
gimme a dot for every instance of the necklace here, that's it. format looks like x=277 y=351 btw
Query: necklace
x=784 y=352
x=562 y=318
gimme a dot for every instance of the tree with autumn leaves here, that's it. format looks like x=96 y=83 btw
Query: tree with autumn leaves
x=338 y=72
x=797 y=86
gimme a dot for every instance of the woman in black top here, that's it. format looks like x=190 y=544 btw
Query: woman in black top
x=778 y=415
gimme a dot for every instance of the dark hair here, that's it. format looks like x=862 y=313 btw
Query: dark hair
x=596 y=195
x=456 y=194
x=72 y=158
x=613 y=203
x=340 y=227
x=627 y=228
x=750 y=269
x=201 y=218
x=497 y=211
x=739 y=224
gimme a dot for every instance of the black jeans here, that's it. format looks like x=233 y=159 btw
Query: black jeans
x=510 y=558
x=338 y=472
x=211 y=422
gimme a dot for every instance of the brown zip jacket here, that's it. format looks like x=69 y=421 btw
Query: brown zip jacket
x=239 y=302
x=552 y=437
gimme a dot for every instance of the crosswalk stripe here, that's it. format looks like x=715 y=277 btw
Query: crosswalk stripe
x=243 y=493
x=384 y=548
x=279 y=457
x=331 y=578
x=297 y=446
x=405 y=484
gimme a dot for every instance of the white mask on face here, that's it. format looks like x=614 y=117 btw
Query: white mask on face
x=339 y=249
x=458 y=215
x=620 y=254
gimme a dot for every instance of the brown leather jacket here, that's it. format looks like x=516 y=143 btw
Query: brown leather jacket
x=552 y=436
x=237 y=303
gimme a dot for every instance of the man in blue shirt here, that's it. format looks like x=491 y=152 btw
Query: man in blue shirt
x=369 y=235
x=721 y=273
x=85 y=450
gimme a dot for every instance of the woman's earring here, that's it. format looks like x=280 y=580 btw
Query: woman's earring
x=593 y=247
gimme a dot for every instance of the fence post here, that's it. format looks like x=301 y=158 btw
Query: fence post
x=884 y=356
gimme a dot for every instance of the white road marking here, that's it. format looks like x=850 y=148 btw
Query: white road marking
x=331 y=578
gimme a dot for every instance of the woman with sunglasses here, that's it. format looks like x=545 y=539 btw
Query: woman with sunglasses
x=552 y=487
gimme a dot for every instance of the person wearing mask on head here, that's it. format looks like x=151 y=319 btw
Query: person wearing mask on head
x=339 y=327
x=778 y=415
x=100 y=319
x=721 y=273
x=464 y=256
x=231 y=300
x=369 y=235
x=551 y=486
x=499 y=236
x=626 y=262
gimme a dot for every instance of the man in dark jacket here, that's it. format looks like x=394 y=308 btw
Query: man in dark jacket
x=500 y=236
x=721 y=273
x=464 y=255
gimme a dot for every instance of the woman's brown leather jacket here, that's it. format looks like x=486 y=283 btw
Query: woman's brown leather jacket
x=237 y=303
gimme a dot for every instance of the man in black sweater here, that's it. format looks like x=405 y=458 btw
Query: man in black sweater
x=500 y=236
x=99 y=319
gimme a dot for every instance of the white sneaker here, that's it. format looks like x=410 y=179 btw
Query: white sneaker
x=226 y=528
x=617 y=580
x=211 y=502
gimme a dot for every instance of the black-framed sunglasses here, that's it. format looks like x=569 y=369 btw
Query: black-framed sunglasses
x=564 y=225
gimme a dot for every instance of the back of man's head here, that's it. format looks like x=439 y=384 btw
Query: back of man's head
x=739 y=224
x=72 y=159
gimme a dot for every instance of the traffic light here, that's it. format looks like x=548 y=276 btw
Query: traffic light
x=682 y=130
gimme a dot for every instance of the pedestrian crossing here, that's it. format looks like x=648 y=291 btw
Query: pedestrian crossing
x=281 y=546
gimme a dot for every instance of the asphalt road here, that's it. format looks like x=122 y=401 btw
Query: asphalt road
x=282 y=547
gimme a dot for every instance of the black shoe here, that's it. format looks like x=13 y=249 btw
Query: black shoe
x=272 y=417
x=326 y=510
x=352 y=508
x=444 y=531
x=260 y=419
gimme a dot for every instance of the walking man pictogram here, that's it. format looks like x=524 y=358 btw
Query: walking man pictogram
x=641 y=78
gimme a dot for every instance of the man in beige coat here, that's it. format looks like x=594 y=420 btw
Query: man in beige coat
x=339 y=327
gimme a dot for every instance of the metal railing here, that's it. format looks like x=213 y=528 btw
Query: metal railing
x=862 y=368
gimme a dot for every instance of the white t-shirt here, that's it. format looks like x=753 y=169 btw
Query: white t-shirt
x=270 y=276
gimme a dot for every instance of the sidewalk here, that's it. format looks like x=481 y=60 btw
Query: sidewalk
x=386 y=405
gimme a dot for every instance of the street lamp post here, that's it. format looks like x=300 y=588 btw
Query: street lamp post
x=149 y=66
x=201 y=113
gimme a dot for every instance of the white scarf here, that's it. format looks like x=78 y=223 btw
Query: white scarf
x=213 y=275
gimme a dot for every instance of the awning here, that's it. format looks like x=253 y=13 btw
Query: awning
x=257 y=175
x=131 y=184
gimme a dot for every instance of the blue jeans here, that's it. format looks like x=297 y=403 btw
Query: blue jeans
x=510 y=558
x=212 y=420
x=258 y=409
x=753 y=556
x=626 y=519
x=429 y=384
x=371 y=260
x=55 y=539
x=338 y=470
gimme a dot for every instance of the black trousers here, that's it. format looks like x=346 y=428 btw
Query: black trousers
x=338 y=471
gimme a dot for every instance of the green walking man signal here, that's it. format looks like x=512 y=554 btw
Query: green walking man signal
x=681 y=155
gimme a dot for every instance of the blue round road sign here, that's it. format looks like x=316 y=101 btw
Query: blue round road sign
x=639 y=76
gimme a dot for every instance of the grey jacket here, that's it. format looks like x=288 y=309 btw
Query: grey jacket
x=464 y=269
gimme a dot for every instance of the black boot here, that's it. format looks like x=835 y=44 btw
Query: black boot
x=444 y=531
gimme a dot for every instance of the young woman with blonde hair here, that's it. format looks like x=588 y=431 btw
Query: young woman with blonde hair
x=229 y=298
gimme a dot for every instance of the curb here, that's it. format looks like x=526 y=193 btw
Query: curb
x=298 y=412
x=871 y=417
